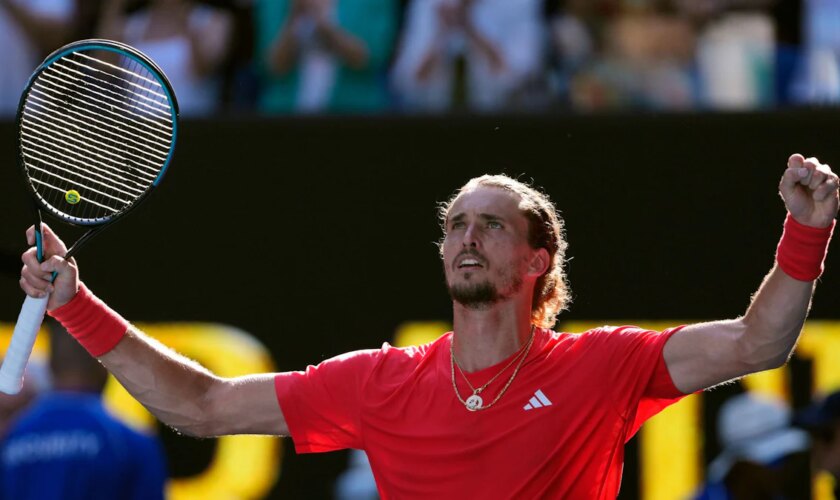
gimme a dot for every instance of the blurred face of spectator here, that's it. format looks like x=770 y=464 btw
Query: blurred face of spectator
x=827 y=449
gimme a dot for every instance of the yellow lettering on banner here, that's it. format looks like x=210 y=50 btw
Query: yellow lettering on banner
x=243 y=467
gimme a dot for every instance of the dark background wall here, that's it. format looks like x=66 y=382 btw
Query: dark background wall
x=317 y=235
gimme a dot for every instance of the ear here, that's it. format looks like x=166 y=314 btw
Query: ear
x=538 y=265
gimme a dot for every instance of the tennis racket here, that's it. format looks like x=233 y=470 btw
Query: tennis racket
x=96 y=127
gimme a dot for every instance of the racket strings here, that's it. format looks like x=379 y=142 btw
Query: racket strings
x=76 y=119
x=109 y=118
x=96 y=131
x=113 y=97
x=97 y=163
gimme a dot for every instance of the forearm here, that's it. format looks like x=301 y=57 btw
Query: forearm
x=778 y=310
x=431 y=61
x=486 y=48
x=284 y=51
x=706 y=354
x=176 y=390
x=344 y=45
x=774 y=319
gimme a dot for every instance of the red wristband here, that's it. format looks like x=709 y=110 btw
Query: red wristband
x=97 y=327
x=802 y=249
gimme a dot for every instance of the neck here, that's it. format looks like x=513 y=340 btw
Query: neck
x=486 y=337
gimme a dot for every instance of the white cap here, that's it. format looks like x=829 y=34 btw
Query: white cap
x=756 y=429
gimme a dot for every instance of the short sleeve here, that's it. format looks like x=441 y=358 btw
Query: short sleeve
x=322 y=405
x=642 y=385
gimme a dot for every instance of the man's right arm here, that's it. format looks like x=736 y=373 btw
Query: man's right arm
x=178 y=391
x=186 y=396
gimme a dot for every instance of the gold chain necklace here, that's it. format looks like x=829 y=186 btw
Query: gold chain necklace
x=475 y=401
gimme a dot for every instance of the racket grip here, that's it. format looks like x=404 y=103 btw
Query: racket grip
x=23 y=338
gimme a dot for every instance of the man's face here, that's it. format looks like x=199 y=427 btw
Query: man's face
x=485 y=250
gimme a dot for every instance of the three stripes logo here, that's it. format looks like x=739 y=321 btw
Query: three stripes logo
x=538 y=401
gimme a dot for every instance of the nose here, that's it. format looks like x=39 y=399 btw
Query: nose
x=470 y=237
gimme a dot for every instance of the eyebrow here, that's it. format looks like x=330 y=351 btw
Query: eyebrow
x=484 y=216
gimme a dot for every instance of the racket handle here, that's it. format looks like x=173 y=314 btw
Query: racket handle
x=23 y=338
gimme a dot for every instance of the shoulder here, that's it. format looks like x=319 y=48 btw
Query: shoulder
x=625 y=338
x=609 y=333
x=410 y=357
x=387 y=359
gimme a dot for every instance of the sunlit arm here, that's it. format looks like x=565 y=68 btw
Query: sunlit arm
x=707 y=354
x=704 y=355
x=188 y=397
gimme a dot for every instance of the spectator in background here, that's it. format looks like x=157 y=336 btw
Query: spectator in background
x=763 y=457
x=822 y=420
x=735 y=52
x=646 y=61
x=819 y=64
x=35 y=381
x=29 y=30
x=487 y=55
x=357 y=481
x=66 y=446
x=324 y=55
x=187 y=40
x=573 y=29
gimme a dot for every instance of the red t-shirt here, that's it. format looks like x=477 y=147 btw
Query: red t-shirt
x=559 y=430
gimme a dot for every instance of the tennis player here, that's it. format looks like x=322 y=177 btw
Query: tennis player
x=503 y=407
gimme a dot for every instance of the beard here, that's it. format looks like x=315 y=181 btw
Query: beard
x=481 y=295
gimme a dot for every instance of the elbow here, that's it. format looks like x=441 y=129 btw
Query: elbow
x=767 y=362
x=777 y=361
x=201 y=417
x=759 y=351
x=200 y=425
x=194 y=427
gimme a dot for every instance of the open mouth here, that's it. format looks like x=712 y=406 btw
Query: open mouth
x=469 y=263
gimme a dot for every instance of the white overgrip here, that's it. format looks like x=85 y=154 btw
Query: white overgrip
x=23 y=338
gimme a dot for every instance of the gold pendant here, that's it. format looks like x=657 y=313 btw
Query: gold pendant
x=474 y=402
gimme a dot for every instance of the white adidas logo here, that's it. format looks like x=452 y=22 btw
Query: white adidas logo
x=538 y=401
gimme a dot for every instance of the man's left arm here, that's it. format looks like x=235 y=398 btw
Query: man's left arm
x=703 y=355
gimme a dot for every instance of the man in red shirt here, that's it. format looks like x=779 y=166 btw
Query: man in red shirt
x=501 y=407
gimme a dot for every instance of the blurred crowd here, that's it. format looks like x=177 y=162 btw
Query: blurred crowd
x=433 y=56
